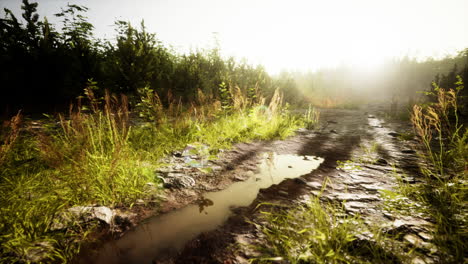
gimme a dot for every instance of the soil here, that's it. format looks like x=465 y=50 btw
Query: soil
x=342 y=135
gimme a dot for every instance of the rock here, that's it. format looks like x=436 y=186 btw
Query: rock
x=426 y=236
x=238 y=178
x=370 y=116
x=175 y=175
x=406 y=223
x=285 y=193
x=355 y=206
x=39 y=252
x=314 y=185
x=413 y=239
x=408 y=151
x=388 y=215
x=355 y=197
x=393 y=134
x=381 y=161
x=333 y=131
x=164 y=170
x=179 y=181
x=408 y=179
x=302 y=131
x=89 y=213
x=372 y=187
x=82 y=214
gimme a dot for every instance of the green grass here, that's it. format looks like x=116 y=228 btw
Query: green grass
x=320 y=232
x=101 y=156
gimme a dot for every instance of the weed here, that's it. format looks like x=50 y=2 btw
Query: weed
x=320 y=233
x=97 y=155
x=311 y=117
x=348 y=165
x=445 y=150
x=406 y=136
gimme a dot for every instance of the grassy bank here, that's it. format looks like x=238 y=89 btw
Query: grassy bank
x=104 y=154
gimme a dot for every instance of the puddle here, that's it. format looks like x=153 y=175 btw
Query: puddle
x=169 y=232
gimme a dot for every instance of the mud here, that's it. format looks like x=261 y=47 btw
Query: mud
x=343 y=135
x=169 y=232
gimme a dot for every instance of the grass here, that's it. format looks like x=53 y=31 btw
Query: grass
x=321 y=232
x=441 y=194
x=99 y=155
x=444 y=147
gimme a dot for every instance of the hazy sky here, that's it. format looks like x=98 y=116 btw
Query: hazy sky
x=290 y=34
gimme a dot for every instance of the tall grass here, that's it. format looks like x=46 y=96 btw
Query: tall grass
x=321 y=232
x=445 y=150
x=101 y=153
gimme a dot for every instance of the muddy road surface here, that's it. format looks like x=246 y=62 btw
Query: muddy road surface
x=355 y=152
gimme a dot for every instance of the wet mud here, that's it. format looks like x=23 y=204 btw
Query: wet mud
x=342 y=135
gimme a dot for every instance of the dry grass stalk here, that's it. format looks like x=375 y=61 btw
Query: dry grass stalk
x=11 y=129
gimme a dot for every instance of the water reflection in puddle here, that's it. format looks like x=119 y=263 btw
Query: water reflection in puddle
x=171 y=231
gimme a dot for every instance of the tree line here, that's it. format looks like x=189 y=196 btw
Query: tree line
x=47 y=66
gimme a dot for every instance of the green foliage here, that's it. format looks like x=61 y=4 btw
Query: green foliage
x=444 y=146
x=319 y=233
x=94 y=155
x=311 y=117
x=52 y=68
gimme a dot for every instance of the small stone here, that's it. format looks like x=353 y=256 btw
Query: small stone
x=425 y=236
x=413 y=239
x=316 y=193
x=408 y=179
x=372 y=187
x=370 y=116
x=283 y=192
x=180 y=182
x=333 y=131
x=393 y=134
x=39 y=252
x=382 y=161
x=388 y=215
x=289 y=166
x=315 y=185
x=418 y=260
x=356 y=197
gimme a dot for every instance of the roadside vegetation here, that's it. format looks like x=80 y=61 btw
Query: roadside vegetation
x=115 y=109
x=104 y=156
x=321 y=232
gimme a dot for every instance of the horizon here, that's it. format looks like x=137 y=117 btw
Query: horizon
x=298 y=36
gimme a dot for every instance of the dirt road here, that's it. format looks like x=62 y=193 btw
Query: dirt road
x=361 y=154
